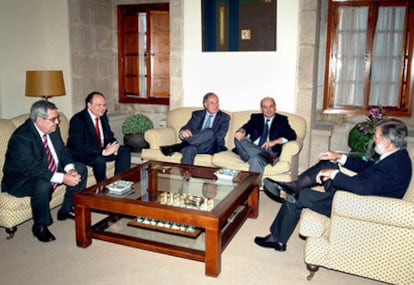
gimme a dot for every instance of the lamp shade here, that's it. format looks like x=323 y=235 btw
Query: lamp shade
x=45 y=83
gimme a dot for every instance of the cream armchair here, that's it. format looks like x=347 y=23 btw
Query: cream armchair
x=366 y=235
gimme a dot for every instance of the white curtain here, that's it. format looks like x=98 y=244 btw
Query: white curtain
x=350 y=59
x=387 y=57
x=351 y=62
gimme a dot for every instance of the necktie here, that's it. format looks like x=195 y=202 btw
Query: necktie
x=51 y=164
x=98 y=132
x=208 y=122
x=265 y=133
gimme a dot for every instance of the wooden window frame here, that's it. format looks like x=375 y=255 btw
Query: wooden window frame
x=406 y=77
x=121 y=54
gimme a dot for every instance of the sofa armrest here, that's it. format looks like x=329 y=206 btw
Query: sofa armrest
x=374 y=209
x=371 y=209
x=160 y=137
x=313 y=224
x=289 y=150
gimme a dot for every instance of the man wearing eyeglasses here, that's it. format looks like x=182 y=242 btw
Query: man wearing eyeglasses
x=37 y=161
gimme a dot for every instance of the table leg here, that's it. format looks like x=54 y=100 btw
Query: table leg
x=83 y=225
x=253 y=203
x=213 y=252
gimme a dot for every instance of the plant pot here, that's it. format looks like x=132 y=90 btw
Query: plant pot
x=135 y=142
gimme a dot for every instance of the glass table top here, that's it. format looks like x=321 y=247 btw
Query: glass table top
x=200 y=188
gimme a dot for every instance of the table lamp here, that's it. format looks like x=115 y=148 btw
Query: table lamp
x=45 y=83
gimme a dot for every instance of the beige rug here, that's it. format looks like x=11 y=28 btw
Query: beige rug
x=24 y=260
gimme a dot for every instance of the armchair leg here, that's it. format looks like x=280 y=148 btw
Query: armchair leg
x=10 y=232
x=312 y=269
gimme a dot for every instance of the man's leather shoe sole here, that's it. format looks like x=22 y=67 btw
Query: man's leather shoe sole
x=61 y=216
x=42 y=233
x=263 y=242
x=274 y=188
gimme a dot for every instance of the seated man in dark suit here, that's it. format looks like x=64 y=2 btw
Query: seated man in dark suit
x=37 y=161
x=204 y=133
x=260 y=140
x=92 y=141
x=389 y=176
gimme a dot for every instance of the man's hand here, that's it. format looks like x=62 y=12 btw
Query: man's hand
x=111 y=148
x=329 y=155
x=186 y=133
x=323 y=175
x=270 y=144
x=72 y=178
x=239 y=135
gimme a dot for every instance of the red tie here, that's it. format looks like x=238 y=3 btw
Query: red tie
x=51 y=164
x=98 y=132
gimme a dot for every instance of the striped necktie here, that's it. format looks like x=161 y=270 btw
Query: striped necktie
x=51 y=164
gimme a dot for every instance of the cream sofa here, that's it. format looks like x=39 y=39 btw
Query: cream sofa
x=368 y=236
x=286 y=169
x=14 y=210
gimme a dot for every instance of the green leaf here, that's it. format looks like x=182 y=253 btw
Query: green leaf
x=137 y=124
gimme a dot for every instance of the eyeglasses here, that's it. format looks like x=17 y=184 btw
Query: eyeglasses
x=54 y=119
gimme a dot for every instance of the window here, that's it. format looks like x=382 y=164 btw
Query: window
x=143 y=53
x=369 y=57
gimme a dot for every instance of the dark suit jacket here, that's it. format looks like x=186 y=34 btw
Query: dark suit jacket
x=388 y=178
x=83 y=141
x=220 y=126
x=280 y=128
x=26 y=159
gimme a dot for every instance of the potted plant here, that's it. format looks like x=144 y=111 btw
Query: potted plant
x=360 y=138
x=133 y=129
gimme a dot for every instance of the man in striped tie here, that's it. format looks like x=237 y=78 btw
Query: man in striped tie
x=36 y=162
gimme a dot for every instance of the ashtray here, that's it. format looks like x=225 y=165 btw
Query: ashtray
x=227 y=174
x=119 y=186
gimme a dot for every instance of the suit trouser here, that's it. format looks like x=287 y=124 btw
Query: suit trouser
x=288 y=216
x=256 y=156
x=204 y=142
x=42 y=192
x=122 y=163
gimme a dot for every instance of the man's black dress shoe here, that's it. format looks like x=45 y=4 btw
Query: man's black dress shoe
x=167 y=150
x=274 y=188
x=273 y=159
x=42 y=233
x=61 y=215
x=265 y=242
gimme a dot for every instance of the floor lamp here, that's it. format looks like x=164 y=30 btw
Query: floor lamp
x=45 y=83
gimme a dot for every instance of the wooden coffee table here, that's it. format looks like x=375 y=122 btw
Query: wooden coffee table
x=168 y=202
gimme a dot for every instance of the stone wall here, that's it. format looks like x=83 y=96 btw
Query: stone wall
x=93 y=38
x=92 y=55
